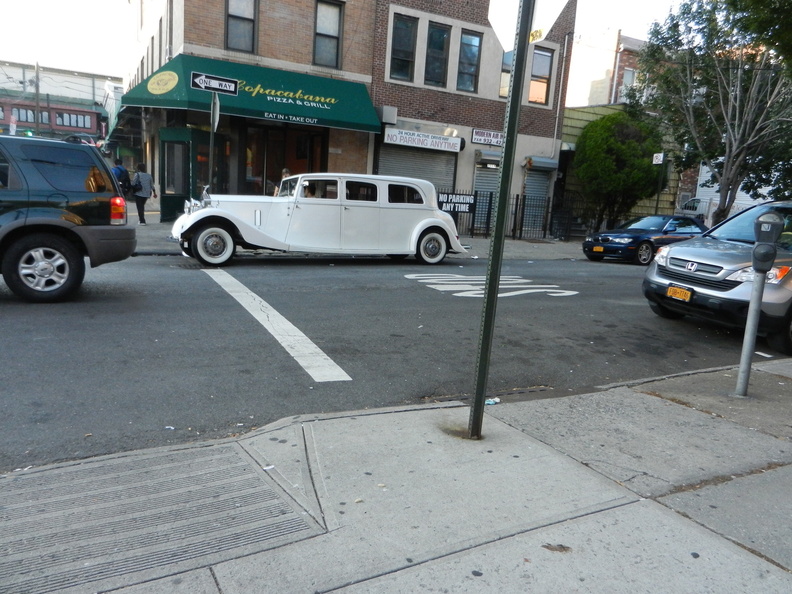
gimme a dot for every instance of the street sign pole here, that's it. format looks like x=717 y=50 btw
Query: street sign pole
x=511 y=127
x=215 y=118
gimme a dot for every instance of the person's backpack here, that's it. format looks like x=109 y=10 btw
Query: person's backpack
x=123 y=178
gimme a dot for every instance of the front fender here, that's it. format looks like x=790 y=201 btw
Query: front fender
x=184 y=227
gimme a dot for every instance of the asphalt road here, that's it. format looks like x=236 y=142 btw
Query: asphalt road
x=157 y=350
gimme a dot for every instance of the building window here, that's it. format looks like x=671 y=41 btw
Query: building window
x=2 y=113
x=506 y=68
x=327 y=42
x=73 y=120
x=403 y=49
x=44 y=117
x=628 y=80
x=541 y=69
x=22 y=115
x=437 y=42
x=469 y=59
x=241 y=25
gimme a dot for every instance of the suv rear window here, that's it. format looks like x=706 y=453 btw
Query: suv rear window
x=8 y=178
x=68 y=170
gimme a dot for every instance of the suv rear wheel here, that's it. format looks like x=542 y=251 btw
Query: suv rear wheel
x=43 y=268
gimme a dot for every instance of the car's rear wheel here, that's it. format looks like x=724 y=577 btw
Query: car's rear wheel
x=594 y=258
x=432 y=247
x=43 y=268
x=782 y=341
x=664 y=312
x=212 y=245
x=644 y=253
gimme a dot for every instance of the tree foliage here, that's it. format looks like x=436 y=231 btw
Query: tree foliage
x=613 y=161
x=722 y=96
x=769 y=20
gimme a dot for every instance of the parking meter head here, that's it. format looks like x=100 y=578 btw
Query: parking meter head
x=768 y=227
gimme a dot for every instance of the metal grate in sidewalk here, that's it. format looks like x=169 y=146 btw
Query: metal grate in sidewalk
x=120 y=520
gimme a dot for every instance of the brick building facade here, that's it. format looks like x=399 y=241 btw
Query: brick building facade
x=444 y=123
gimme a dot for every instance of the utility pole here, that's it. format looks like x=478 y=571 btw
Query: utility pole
x=37 y=115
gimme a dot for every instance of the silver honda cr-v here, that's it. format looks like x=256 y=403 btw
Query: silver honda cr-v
x=711 y=277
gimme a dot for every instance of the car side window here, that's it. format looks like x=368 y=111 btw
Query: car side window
x=362 y=191
x=8 y=177
x=68 y=169
x=684 y=225
x=320 y=188
x=400 y=194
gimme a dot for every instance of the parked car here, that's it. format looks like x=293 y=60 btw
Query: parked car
x=330 y=213
x=59 y=203
x=637 y=240
x=711 y=277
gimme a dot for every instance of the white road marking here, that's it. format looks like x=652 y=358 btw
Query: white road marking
x=318 y=365
x=473 y=286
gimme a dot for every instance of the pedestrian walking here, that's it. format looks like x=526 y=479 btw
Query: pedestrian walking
x=142 y=190
x=122 y=175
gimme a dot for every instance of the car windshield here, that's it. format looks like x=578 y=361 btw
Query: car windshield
x=650 y=223
x=741 y=227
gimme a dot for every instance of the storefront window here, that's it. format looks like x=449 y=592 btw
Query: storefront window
x=176 y=155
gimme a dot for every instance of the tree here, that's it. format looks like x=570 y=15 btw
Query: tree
x=613 y=161
x=722 y=96
x=770 y=20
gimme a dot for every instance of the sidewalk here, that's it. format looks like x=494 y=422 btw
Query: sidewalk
x=623 y=490
x=662 y=485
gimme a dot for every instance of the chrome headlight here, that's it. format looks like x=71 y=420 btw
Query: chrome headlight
x=661 y=257
x=775 y=276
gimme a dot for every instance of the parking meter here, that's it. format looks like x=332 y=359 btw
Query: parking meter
x=767 y=230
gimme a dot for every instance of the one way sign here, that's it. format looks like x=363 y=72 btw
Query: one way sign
x=210 y=82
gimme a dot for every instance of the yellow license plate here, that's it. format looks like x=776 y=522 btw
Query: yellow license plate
x=679 y=293
x=598 y=248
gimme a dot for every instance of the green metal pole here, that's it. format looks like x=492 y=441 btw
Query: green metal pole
x=511 y=127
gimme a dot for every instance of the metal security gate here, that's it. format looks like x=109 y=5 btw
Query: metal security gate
x=530 y=210
x=435 y=166
x=486 y=188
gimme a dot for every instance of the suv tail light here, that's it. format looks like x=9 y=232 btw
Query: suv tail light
x=118 y=211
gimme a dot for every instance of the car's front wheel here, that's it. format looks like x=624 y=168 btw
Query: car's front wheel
x=644 y=253
x=212 y=245
x=782 y=341
x=43 y=268
x=432 y=247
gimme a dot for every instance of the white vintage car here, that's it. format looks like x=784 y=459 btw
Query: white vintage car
x=328 y=213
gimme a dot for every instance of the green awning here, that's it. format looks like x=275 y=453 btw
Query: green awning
x=187 y=82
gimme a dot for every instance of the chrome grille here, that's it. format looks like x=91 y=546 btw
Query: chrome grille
x=696 y=279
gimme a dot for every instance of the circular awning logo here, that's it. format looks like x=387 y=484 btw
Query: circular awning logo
x=162 y=82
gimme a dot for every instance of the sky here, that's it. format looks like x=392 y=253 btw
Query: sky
x=81 y=35
x=88 y=36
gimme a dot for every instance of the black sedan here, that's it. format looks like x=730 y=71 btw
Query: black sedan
x=637 y=240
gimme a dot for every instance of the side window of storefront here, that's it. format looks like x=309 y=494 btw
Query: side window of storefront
x=437 y=43
x=541 y=75
x=469 y=60
x=327 y=38
x=402 y=66
x=241 y=25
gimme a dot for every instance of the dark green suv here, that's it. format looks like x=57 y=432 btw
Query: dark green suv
x=59 y=203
